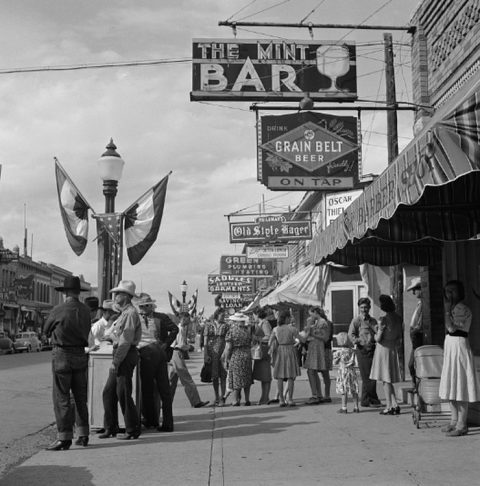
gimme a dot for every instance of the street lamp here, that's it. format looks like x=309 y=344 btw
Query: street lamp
x=183 y=289
x=110 y=166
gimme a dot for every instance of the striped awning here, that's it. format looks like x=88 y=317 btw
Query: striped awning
x=299 y=289
x=429 y=194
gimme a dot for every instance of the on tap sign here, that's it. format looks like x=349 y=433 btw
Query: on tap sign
x=273 y=70
x=308 y=152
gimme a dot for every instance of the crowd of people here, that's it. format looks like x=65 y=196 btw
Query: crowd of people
x=238 y=350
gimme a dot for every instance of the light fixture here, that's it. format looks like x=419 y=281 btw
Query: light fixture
x=111 y=164
x=184 y=287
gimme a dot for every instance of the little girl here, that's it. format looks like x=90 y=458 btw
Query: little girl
x=347 y=379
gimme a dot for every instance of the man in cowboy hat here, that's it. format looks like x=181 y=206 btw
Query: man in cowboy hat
x=127 y=333
x=416 y=322
x=101 y=328
x=158 y=333
x=68 y=325
x=179 y=368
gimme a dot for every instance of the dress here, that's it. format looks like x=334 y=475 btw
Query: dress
x=215 y=334
x=385 y=365
x=240 y=365
x=285 y=362
x=262 y=370
x=318 y=335
x=459 y=380
x=347 y=379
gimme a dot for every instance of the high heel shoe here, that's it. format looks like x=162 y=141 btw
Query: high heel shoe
x=389 y=411
x=82 y=441
x=59 y=445
x=107 y=434
x=130 y=436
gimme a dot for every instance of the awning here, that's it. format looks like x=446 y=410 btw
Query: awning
x=300 y=289
x=429 y=194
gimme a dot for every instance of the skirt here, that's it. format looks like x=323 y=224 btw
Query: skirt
x=385 y=365
x=459 y=380
x=315 y=358
x=262 y=371
x=286 y=363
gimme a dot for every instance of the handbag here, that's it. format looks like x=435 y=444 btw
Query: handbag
x=206 y=373
x=256 y=352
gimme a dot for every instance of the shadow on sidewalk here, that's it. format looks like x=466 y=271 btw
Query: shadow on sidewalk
x=51 y=475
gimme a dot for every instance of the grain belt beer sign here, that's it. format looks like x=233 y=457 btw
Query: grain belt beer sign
x=219 y=284
x=270 y=230
x=273 y=70
x=308 y=152
x=267 y=251
x=242 y=265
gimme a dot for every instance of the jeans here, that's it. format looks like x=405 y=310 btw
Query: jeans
x=121 y=383
x=154 y=374
x=69 y=370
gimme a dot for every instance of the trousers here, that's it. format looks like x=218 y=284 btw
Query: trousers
x=69 y=370
x=368 y=393
x=119 y=386
x=154 y=376
x=179 y=370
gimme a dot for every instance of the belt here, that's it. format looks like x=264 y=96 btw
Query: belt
x=68 y=346
x=459 y=333
x=177 y=349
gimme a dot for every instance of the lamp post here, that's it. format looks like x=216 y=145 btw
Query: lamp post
x=183 y=289
x=110 y=166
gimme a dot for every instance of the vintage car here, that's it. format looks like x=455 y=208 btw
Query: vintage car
x=26 y=341
x=6 y=344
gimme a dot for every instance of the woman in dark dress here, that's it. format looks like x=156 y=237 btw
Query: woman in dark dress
x=262 y=370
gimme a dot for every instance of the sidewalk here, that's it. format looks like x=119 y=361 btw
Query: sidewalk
x=265 y=445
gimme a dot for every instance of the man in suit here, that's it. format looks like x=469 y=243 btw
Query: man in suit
x=158 y=334
x=68 y=326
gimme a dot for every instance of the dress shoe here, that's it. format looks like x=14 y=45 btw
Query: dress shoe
x=59 y=445
x=388 y=411
x=291 y=404
x=107 y=434
x=327 y=400
x=201 y=404
x=313 y=401
x=235 y=404
x=165 y=429
x=457 y=432
x=375 y=403
x=356 y=410
x=82 y=441
x=397 y=410
x=283 y=404
x=342 y=410
x=247 y=403
x=129 y=436
x=273 y=400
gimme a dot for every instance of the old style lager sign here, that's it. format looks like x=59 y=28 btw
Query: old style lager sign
x=308 y=152
x=273 y=70
x=218 y=284
x=270 y=230
x=241 y=265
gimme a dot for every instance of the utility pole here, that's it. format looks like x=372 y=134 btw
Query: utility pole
x=396 y=281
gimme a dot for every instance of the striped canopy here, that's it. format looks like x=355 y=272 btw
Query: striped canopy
x=429 y=194
x=300 y=289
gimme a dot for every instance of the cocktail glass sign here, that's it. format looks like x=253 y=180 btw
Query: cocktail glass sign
x=308 y=152
x=271 y=229
x=273 y=70
x=242 y=266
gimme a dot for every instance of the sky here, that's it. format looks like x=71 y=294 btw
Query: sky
x=210 y=147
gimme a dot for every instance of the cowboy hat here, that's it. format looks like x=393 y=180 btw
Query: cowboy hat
x=125 y=286
x=416 y=283
x=107 y=305
x=71 y=283
x=238 y=316
x=144 y=299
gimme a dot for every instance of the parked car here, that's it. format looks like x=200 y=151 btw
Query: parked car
x=27 y=341
x=6 y=344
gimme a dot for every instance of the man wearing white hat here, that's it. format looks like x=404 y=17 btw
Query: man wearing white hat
x=127 y=334
x=101 y=328
x=416 y=322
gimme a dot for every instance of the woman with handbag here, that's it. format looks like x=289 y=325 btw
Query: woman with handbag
x=214 y=334
x=262 y=370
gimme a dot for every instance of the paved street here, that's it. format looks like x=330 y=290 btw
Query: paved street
x=264 y=445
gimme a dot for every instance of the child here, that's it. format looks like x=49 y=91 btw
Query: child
x=347 y=379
